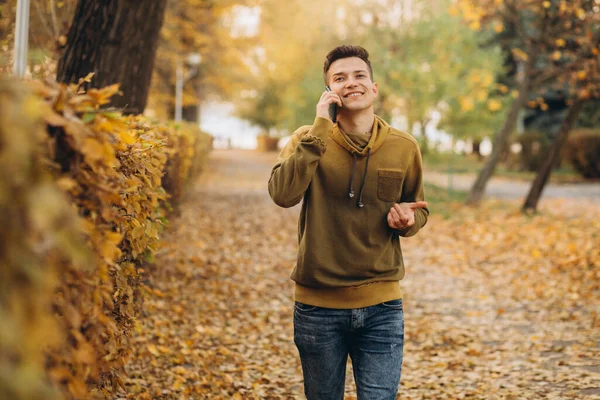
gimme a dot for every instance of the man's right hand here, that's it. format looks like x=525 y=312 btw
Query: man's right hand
x=403 y=215
x=326 y=99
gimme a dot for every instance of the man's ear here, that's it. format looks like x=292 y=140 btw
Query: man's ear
x=375 y=89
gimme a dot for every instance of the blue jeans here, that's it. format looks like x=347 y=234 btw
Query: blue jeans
x=372 y=336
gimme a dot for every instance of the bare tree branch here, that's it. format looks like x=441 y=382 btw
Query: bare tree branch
x=42 y=18
x=55 y=26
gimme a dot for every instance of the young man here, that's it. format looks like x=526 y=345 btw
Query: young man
x=362 y=189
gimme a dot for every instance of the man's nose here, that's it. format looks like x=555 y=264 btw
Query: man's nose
x=350 y=82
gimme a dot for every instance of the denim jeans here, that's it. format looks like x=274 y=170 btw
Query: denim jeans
x=372 y=336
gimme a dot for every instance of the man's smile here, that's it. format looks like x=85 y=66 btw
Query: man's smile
x=353 y=94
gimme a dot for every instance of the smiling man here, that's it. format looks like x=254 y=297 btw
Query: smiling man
x=361 y=186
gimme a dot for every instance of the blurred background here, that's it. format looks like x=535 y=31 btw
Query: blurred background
x=448 y=70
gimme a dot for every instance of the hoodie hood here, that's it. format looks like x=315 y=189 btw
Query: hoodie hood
x=379 y=132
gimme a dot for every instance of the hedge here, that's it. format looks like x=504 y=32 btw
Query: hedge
x=84 y=194
x=583 y=152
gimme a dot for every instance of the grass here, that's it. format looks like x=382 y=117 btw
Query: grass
x=443 y=162
x=446 y=203
x=439 y=195
x=442 y=201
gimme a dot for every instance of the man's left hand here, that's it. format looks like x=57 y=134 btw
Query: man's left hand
x=402 y=215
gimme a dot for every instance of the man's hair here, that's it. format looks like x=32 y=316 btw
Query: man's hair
x=346 y=51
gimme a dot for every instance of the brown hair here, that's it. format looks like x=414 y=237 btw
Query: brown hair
x=346 y=51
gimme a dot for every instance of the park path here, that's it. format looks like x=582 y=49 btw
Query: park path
x=509 y=189
x=217 y=322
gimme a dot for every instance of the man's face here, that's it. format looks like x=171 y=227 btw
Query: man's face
x=350 y=79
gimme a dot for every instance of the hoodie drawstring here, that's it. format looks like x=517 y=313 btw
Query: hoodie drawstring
x=351 y=192
x=362 y=186
x=360 y=204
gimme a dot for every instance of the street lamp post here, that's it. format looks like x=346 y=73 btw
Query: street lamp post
x=193 y=60
x=21 y=38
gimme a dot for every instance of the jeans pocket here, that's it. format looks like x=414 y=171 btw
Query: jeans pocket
x=304 y=307
x=393 y=304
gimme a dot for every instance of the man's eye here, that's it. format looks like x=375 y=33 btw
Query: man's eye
x=338 y=79
x=360 y=76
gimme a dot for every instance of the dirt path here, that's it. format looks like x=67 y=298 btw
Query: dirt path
x=218 y=323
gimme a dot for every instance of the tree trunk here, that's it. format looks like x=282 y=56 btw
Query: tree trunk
x=425 y=147
x=189 y=113
x=117 y=41
x=543 y=175
x=501 y=138
x=477 y=149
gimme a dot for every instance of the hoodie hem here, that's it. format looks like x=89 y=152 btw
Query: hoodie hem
x=361 y=296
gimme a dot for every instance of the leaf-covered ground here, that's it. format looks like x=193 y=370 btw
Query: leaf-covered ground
x=497 y=305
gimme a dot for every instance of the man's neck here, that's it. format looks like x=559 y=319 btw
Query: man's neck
x=360 y=121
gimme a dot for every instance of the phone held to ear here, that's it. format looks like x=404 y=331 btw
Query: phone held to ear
x=332 y=108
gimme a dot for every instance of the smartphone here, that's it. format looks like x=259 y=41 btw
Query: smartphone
x=332 y=108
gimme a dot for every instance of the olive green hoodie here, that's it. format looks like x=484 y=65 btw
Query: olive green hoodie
x=348 y=255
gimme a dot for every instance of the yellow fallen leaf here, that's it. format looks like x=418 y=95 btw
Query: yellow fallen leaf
x=178 y=383
x=153 y=350
x=163 y=349
x=179 y=370
x=126 y=137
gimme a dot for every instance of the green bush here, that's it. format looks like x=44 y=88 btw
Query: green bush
x=583 y=152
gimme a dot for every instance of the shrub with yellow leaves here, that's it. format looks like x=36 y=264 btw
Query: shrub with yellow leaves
x=86 y=202
x=38 y=238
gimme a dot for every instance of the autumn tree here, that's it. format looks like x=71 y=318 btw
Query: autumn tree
x=544 y=29
x=288 y=63
x=419 y=70
x=208 y=28
x=580 y=85
x=433 y=64
x=201 y=26
x=266 y=109
x=116 y=40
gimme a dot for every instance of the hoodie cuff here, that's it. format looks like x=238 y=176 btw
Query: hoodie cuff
x=403 y=232
x=321 y=128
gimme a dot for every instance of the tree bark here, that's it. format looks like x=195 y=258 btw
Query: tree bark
x=501 y=138
x=543 y=175
x=477 y=149
x=189 y=113
x=117 y=41
x=425 y=148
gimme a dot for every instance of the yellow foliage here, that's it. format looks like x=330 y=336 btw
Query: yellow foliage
x=556 y=55
x=475 y=25
x=494 y=105
x=520 y=54
x=87 y=188
x=481 y=95
x=36 y=236
x=466 y=104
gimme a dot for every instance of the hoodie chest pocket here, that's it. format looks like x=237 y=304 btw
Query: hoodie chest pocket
x=389 y=184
